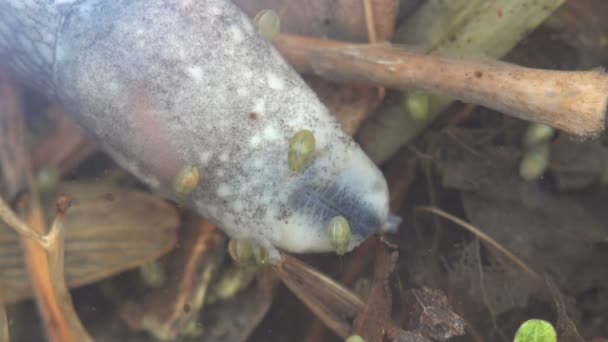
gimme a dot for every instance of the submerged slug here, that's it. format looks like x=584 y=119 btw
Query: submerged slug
x=165 y=85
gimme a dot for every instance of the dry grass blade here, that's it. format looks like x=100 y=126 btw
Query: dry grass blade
x=484 y=237
x=335 y=305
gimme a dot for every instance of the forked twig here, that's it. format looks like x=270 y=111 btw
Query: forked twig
x=43 y=251
x=8 y=216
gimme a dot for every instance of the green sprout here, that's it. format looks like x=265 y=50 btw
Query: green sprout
x=536 y=330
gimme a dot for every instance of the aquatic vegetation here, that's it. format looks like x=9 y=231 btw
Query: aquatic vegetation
x=536 y=330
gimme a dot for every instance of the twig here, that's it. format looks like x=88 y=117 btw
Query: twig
x=573 y=101
x=4 y=336
x=8 y=216
x=483 y=236
x=55 y=306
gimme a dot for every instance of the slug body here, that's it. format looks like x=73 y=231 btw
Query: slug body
x=165 y=86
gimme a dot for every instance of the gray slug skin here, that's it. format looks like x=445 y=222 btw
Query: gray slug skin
x=163 y=85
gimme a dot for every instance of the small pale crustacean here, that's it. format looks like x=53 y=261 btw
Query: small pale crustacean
x=165 y=85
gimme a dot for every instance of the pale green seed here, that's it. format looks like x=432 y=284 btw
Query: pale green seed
x=48 y=178
x=186 y=180
x=339 y=234
x=534 y=163
x=268 y=23
x=536 y=330
x=355 y=338
x=537 y=134
x=301 y=150
x=241 y=251
x=417 y=105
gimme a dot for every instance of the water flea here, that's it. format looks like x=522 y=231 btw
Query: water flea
x=253 y=116
x=478 y=74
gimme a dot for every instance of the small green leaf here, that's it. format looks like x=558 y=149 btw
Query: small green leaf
x=536 y=330
x=355 y=338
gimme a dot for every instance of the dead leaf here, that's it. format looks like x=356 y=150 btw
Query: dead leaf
x=432 y=315
x=108 y=230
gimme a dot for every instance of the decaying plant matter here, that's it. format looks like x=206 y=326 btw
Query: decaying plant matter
x=140 y=267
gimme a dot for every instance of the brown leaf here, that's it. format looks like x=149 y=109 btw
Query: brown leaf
x=108 y=230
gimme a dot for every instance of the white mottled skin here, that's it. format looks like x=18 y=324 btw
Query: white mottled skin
x=163 y=84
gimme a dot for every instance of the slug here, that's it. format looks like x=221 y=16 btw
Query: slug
x=187 y=96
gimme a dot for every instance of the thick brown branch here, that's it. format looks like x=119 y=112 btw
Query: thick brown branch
x=573 y=101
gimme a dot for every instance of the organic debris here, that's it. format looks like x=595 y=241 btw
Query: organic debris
x=493 y=235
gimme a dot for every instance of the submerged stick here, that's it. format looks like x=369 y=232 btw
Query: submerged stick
x=4 y=336
x=573 y=101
